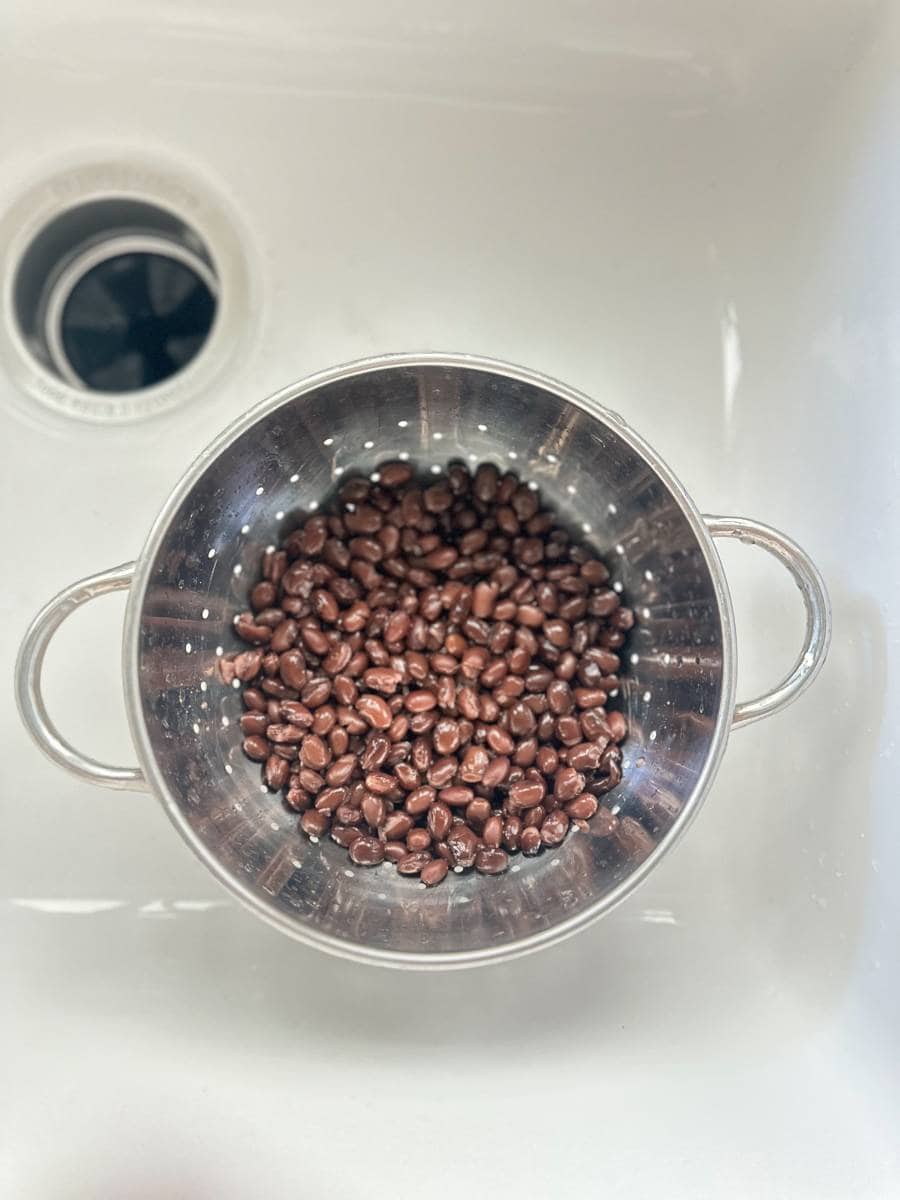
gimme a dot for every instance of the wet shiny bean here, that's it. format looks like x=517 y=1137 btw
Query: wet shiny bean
x=491 y=862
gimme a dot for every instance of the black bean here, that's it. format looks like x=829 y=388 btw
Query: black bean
x=420 y=656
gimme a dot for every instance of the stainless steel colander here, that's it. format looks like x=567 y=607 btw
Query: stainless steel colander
x=278 y=461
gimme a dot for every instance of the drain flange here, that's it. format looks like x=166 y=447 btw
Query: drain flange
x=117 y=305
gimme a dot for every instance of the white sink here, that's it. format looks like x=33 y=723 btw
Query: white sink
x=690 y=216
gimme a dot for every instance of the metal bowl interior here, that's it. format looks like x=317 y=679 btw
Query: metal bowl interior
x=254 y=484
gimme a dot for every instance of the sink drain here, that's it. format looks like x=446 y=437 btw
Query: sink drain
x=116 y=295
x=128 y=312
x=117 y=303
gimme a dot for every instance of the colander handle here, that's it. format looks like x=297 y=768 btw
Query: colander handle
x=815 y=599
x=28 y=681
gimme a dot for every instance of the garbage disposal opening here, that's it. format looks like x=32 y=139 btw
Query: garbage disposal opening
x=116 y=295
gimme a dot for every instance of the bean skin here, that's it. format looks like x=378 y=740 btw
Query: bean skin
x=491 y=862
x=256 y=748
x=463 y=846
x=484 y=597
x=440 y=819
x=380 y=782
x=412 y=863
x=568 y=784
x=534 y=817
x=420 y=801
x=456 y=797
x=397 y=825
x=530 y=840
x=394 y=475
x=316 y=692
x=474 y=764
x=441 y=771
x=382 y=679
x=526 y=752
x=374 y=710
x=254 y=699
x=434 y=872
x=582 y=807
x=314 y=752
x=554 y=828
x=478 y=812
x=277 y=771
x=373 y=810
x=418 y=839
x=253 y=723
x=345 y=835
x=420 y=701
x=496 y=771
x=367 y=852
x=446 y=736
x=585 y=756
x=407 y=776
x=314 y=823
x=617 y=726
x=527 y=793
x=492 y=834
x=512 y=829
x=521 y=720
x=500 y=741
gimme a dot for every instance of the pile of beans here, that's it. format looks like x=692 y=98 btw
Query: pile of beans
x=429 y=670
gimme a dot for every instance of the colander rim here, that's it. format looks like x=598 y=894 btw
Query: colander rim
x=341 y=947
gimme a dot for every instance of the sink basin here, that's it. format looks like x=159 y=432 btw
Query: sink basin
x=691 y=218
